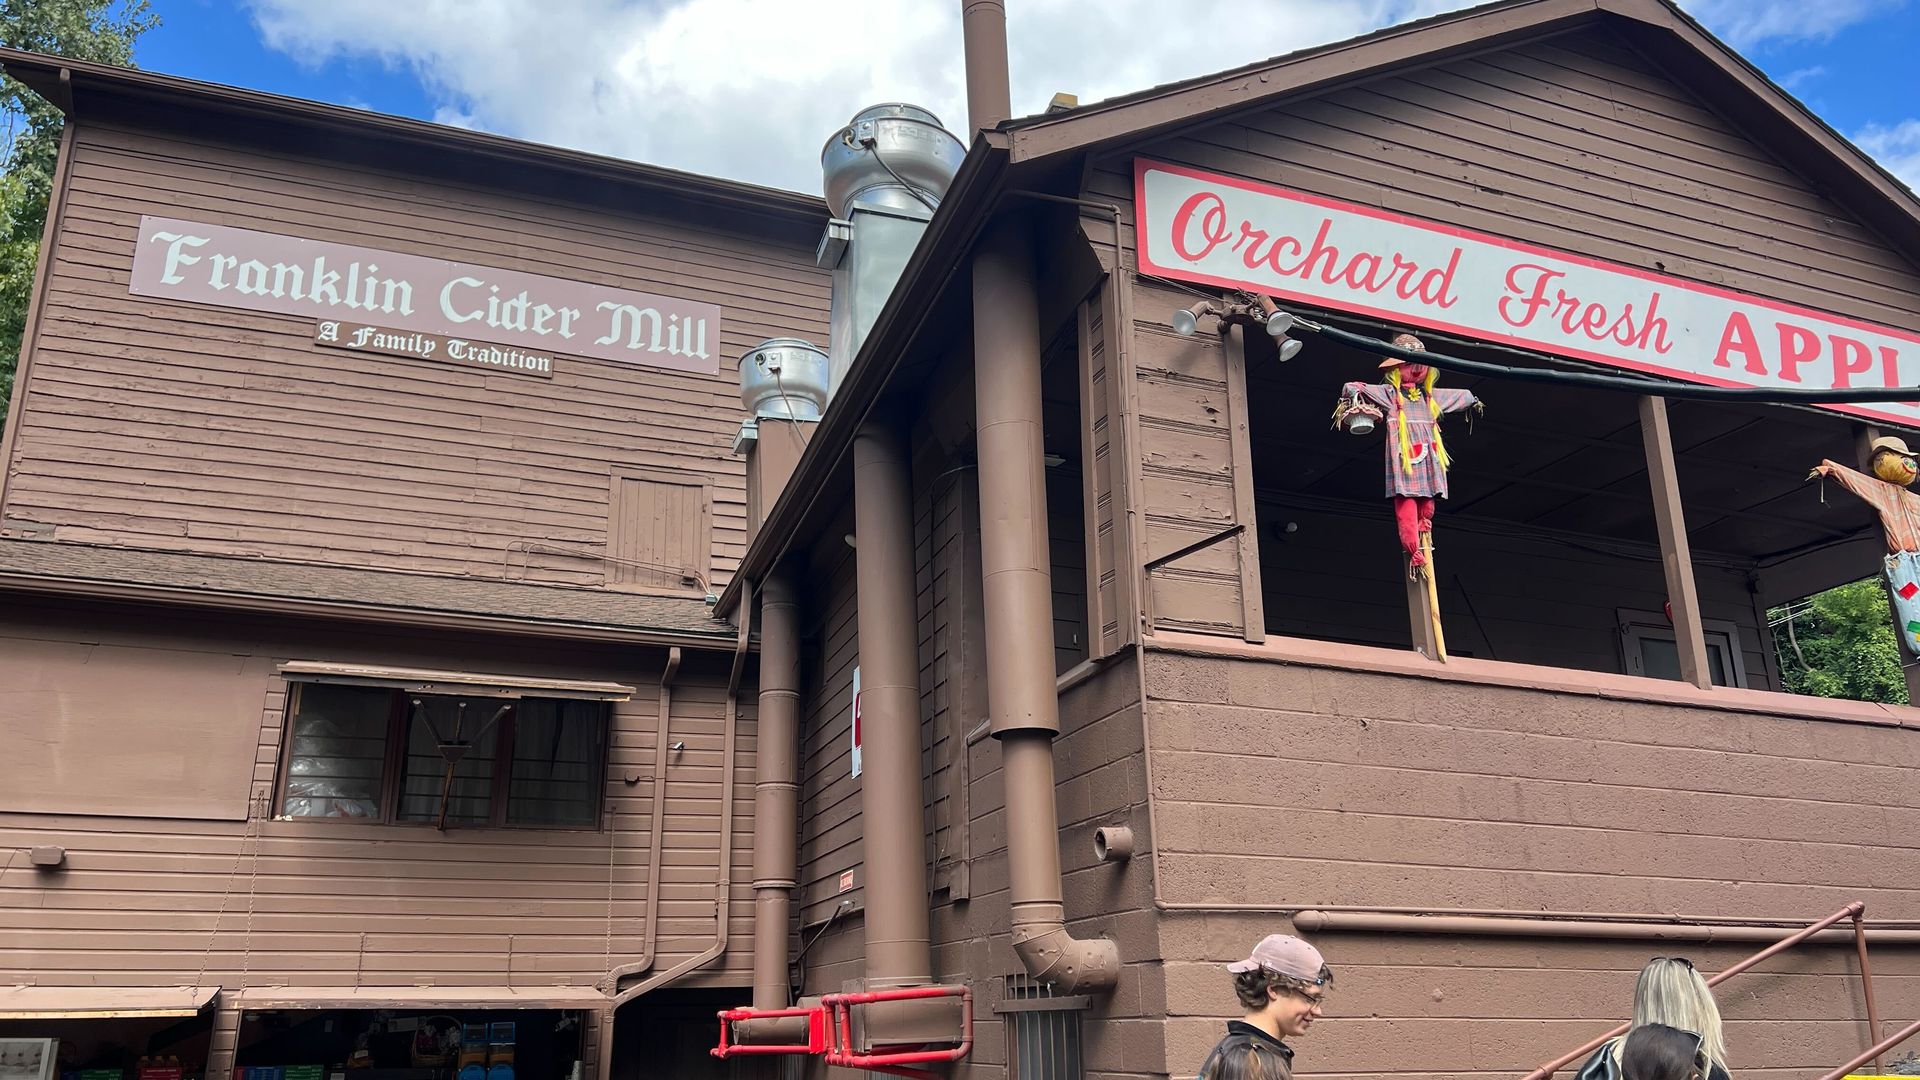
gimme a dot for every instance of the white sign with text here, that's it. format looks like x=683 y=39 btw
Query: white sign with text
x=1220 y=230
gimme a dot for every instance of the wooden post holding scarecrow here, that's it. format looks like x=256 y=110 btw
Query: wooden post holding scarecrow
x=1410 y=406
x=1899 y=509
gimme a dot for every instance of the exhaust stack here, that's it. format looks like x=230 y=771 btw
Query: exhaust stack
x=885 y=173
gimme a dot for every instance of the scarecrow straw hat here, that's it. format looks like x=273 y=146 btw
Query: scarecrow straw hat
x=1889 y=443
x=1402 y=341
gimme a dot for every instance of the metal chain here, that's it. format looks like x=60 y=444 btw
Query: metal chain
x=226 y=892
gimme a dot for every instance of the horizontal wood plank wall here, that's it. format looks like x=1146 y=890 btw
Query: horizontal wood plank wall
x=1186 y=466
x=1575 y=143
x=159 y=424
x=1308 y=787
x=150 y=901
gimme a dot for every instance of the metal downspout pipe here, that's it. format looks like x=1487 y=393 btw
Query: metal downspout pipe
x=899 y=952
x=776 y=790
x=1018 y=602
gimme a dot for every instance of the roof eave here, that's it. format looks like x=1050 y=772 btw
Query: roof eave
x=962 y=216
x=57 y=79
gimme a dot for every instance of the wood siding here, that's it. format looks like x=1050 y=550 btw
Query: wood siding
x=1368 y=788
x=160 y=424
x=1113 y=609
x=159 y=900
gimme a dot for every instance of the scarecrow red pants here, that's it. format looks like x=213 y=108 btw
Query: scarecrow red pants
x=1414 y=515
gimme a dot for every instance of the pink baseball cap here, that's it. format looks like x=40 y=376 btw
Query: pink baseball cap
x=1284 y=954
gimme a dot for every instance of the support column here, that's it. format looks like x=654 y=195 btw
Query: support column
x=1676 y=555
x=776 y=789
x=892 y=813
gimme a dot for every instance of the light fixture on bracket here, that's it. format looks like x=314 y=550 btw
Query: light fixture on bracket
x=1278 y=323
x=1186 y=321
x=1246 y=309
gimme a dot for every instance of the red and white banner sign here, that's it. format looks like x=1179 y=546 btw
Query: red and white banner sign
x=1203 y=227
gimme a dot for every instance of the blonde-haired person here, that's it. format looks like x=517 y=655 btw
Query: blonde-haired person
x=1669 y=992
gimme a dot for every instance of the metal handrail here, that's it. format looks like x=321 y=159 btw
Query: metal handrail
x=1879 y=1048
x=1854 y=911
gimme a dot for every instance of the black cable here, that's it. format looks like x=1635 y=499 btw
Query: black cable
x=874 y=149
x=1625 y=384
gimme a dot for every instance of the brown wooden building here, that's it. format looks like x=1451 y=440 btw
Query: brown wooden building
x=1141 y=675
x=254 y=579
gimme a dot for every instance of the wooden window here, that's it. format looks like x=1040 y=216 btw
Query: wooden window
x=383 y=754
x=660 y=534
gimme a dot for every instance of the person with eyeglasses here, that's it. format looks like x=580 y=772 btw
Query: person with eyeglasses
x=1669 y=993
x=1283 y=987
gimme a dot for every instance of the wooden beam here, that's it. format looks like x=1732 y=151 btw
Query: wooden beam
x=1253 y=617
x=1670 y=518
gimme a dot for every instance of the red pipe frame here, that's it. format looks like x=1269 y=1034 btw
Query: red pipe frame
x=830 y=1031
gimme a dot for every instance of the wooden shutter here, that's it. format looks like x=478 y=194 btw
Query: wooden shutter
x=660 y=534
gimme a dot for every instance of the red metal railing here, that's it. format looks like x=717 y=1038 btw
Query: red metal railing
x=897 y=1062
x=830 y=1032
x=816 y=1032
x=1854 y=911
x=1873 y=1054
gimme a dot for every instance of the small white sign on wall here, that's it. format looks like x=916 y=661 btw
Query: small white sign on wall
x=856 y=720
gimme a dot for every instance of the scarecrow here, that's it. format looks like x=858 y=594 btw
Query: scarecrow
x=1899 y=509
x=1411 y=407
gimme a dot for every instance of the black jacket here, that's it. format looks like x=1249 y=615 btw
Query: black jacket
x=1247 y=1053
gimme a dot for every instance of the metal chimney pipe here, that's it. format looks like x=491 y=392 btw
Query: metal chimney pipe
x=983 y=30
x=898 y=950
x=1023 y=705
x=776 y=789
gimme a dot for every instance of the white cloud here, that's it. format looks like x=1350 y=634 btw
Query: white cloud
x=1794 y=80
x=1896 y=147
x=1745 y=24
x=750 y=89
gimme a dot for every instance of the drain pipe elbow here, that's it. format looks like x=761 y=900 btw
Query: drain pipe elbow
x=1073 y=965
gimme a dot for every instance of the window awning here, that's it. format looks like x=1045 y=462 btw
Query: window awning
x=102 y=1002
x=466 y=683
x=269 y=998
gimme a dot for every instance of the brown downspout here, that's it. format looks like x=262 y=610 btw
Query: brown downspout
x=723 y=883
x=662 y=736
x=1018 y=601
x=776 y=790
x=1014 y=557
x=899 y=952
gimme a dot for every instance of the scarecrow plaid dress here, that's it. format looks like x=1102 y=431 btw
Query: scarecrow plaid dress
x=1421 y=475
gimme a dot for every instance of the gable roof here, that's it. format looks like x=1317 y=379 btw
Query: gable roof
x=1033 y=147
x=80 y=88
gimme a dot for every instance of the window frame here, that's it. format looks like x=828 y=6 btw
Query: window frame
x=1638 y=626
x=392 y=777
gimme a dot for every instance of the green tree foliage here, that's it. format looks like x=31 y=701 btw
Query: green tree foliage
x=99 y=30
x=1841 y=644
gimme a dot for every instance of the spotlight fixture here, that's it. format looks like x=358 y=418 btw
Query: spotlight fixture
x=1290 y=348
x=1277 y=322
x=1186 y=321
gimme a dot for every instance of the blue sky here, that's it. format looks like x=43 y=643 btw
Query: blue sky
x=749 y=88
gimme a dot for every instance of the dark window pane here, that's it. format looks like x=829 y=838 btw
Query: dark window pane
x=1661 y=658
x=337 y=747
x=437 y=720
x=555 y=777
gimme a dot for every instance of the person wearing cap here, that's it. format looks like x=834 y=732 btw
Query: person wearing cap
x=1899 y=509
x=1417 y=458
x=1283 y=986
